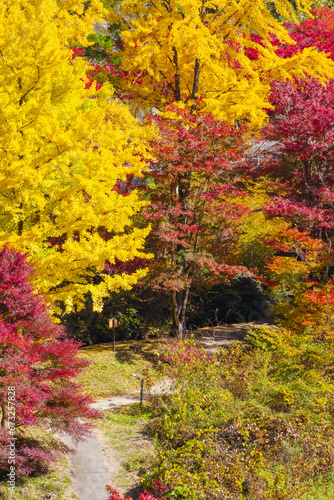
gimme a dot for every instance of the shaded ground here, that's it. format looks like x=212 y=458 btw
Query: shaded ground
x=214 y=338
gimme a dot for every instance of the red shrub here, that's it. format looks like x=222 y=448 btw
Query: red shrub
x=37 y=367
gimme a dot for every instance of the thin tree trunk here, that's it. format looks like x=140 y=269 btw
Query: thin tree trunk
x=177 y=76
x=20 y=224
x=197 y=68
x=180 y=302
x=4 y=415
x=195 y=86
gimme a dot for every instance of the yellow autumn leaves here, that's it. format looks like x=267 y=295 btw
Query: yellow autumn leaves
x=62 y=150
x=64 y=147
x=171 y=43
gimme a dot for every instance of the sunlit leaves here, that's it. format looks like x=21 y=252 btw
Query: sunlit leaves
x=63 y=148
x=198 y=53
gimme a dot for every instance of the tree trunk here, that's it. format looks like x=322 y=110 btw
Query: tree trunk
x=20 y=223
x=4 y=415
x=176 y=76
x=180 y=302
x=195 y=86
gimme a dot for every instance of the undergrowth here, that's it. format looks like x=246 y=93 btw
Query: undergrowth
x=254 y=422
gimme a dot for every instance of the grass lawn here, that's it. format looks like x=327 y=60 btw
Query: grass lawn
x=111 y=374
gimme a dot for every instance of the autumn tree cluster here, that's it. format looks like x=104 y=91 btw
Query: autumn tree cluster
x=232 y=195
x=187 y=144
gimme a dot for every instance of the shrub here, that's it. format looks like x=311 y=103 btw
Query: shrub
x=158 y=489
x=253 y=422
x=38 y=365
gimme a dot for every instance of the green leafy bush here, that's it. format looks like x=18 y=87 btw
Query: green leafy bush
x=253 y=422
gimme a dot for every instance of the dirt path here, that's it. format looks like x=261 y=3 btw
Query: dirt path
x=214 y=338
x=89 y=470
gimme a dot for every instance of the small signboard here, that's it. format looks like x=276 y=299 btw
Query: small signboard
x=113 y=322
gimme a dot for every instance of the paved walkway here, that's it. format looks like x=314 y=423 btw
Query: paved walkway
x=88 y=468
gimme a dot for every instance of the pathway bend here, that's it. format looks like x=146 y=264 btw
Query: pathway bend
x=89 y=471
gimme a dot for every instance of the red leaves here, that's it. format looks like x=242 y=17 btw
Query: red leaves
x=301 y=157
x=128 y=267
x=191 y=228
x=36 y=359
x=321 y=296
x=316 y=32
x=16 y=294
x=158 y=489
x=191 y=185
x=299 y=213
x=115 y=494
x=77 y=52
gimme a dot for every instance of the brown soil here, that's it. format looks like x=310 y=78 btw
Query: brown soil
x=214 y=338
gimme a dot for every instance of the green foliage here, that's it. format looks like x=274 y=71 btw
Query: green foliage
x=253 y=422
x=141 y=313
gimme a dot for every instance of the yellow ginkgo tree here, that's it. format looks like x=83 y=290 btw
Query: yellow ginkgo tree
x=63 y=148
x=215 y=55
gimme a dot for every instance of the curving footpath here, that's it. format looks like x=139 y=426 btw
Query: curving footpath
x=88 y=467
x=89 y=471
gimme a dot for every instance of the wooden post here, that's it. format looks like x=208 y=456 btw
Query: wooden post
x=112 y=324
x=141 y=392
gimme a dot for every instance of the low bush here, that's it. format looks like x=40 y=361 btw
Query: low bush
x=157 y=491
x=253 y=422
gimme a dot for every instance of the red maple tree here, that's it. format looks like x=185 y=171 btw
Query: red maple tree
x=38 y=365
x=301 y=159
x=299 y=163
x=195 y=205
x=302 y=156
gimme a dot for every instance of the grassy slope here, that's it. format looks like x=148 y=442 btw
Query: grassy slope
x=117 y=373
